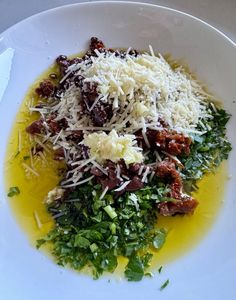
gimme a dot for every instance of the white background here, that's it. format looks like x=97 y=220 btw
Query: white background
x=219 y=13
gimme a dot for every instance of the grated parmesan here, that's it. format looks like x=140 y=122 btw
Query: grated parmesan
x=157 y=89
x=78 y=183
x=145 y=174
x=29 y=169
x=142 y=90
x=103 y=193
x=37 y=220
x=120 y=188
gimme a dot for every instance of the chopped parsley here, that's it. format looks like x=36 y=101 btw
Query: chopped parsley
x=164 y=285
x=134 y=270
x=95 y=232
x=159 y=239
x=13 y=191
x=26 y=157
x=17 y=153
x=207 y=150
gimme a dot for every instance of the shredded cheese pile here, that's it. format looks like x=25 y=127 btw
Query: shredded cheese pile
x=141 y=90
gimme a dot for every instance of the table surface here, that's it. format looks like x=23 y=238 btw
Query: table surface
x=219 y=13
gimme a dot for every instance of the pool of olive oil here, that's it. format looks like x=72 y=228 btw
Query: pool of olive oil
x=28 y=207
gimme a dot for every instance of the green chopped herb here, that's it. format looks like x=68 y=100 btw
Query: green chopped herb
x=40 y=243
x=159 y=239
x=135 y=269
x=149 y=274
x=98 y=231
x=110 y=211
x=81 y=242
x=17 y=153
x=164 y=285
x=13 y=191
x=26 y=157
x=208 y=150
x=113 y=228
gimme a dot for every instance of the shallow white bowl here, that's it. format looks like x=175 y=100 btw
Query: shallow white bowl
x=28 y=48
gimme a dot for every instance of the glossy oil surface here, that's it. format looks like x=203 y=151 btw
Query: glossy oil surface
x=183 y=231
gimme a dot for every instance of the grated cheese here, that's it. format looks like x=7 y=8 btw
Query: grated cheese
x=41 y=154
x=125 y=177
x=82 y=163
x=103 y=193
x=78 y=183
x=120 y=188
x=118 y=172
x=152 y=175
x=176 y=97
x=99 y=167
x=145 y=139
x=37 y=220
x=133 y=197
x=19 y=141
x=31 y=159
x=141 y=90
x=60 y=214
x=42 y=145
x=174 y=158
x=29 y=169
x=145 y=174
x=141 y=170
x=213 y=107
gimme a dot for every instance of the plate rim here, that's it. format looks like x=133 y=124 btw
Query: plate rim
x=222 y=35
x=131 y=3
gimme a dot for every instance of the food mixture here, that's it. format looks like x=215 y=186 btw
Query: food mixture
x=134 y=135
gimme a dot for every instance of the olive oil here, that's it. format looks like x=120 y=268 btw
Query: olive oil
x=183 y=231
x=29 y=206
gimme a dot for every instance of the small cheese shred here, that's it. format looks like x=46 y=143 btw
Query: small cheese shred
x=145 y=174
x=29 y=169
x=133 y=197
x=78 y=183
x=37 y=220
x=103 y=193
x=19 y=141
x=124 y=185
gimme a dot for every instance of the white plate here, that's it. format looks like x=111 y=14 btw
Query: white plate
x=28 y=48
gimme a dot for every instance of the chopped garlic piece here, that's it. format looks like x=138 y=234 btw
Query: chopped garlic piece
x=54 y=194
x=113 y=147
x=140 y=109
